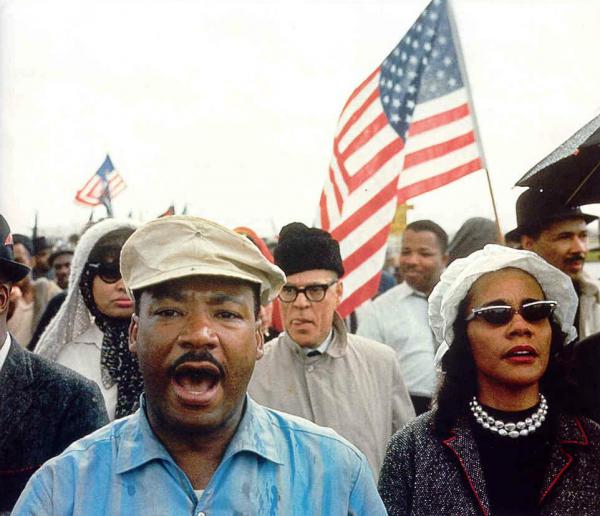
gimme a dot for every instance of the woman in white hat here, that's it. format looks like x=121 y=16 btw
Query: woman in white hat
x=503 y=437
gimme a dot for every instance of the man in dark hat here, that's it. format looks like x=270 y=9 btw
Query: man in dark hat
x=559 y=235
x=31 y=296
x=315 y=369
x=44 y=407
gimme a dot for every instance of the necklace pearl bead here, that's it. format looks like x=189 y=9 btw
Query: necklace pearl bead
x=513 y=430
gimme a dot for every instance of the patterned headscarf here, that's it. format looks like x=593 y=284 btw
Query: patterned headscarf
x=78 y=313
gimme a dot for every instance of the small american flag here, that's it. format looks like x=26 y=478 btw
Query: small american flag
x=102 y=187
x=407 y=129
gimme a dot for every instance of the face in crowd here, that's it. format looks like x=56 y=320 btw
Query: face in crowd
x=508 y=354
x=21 y=255
x=61 y=265
x=421 y=260
x=308 y=318
x=196 y=339
x=108 y=288
x=563 y=244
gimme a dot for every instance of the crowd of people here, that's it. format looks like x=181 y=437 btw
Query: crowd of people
x=181 y=367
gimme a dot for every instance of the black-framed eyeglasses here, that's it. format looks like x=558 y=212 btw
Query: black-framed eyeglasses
x=315 y=292
x=109 y=272
x=533 y=311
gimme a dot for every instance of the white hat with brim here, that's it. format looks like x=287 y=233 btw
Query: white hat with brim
x=457 y=279
x=170 y=248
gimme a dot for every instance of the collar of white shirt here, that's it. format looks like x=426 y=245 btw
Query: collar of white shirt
x=322 y=348
x=4 y=350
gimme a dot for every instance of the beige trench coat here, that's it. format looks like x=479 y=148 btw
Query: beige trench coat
x=355 y=387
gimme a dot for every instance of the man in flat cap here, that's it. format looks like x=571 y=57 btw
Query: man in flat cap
x=315 y=369
x=559 y=235
x=198 y=444
x=44 y=407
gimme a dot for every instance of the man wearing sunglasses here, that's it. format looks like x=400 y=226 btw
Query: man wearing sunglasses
x=559 y=235
x=315 y=369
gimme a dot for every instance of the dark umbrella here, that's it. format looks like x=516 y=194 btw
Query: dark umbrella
x=572 y=170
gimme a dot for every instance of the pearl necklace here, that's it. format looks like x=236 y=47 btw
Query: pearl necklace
x=514 y=430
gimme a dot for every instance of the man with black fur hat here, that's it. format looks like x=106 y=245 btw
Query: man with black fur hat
x=315 y=369
x=44 y=407
x=559 y=235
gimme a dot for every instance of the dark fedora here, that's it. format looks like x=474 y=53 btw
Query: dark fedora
x=9 y=269
x=537 y=209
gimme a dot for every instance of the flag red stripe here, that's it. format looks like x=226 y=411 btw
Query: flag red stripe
x=439 y=119
x=439 y=149
x=359 y=296
x=375 y=164
x=323 y=209
x=376 y=242
x=366 y=210
x=86 y=202
x=368 y=132
x=358 y=89
x=89 y=186
x=336 y=191
x=356 y=115
x=438 y=180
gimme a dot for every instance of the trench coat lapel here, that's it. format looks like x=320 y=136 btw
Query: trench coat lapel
x=463 y=446
x=16 y=381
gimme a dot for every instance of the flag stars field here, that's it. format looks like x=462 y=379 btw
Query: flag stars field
x=389 y=149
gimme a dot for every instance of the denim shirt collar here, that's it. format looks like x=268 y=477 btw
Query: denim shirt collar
x=139 y=445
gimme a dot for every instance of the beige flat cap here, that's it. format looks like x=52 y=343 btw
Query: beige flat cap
x=173 y=247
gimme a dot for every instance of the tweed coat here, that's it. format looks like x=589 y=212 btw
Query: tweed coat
x=425 y=474
x=44 y=407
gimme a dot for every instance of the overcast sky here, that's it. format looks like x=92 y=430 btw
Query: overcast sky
x=230 y=107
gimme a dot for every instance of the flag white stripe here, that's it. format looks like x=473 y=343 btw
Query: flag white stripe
x=435 y=106
x=368 y=228
x=361 y=123
x=358 y=101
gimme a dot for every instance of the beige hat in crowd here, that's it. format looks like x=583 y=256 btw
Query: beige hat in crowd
x=173 y=247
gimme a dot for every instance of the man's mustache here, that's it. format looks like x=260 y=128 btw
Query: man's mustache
x=196 y=356
x=579 y=257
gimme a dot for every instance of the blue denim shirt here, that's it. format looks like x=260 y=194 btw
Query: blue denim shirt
x=275 y=464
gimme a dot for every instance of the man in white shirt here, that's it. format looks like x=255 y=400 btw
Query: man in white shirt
x=398 y=317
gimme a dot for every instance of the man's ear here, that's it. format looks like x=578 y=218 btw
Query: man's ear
x=527 y=242
x=260 y=340
x=133 y=332
x=339 y=291
x=445 y=258
x=5 y=289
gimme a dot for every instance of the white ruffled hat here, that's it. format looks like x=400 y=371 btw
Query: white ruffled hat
x=458 y=278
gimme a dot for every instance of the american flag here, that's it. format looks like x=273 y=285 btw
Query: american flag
x=407 y=129
x=102 y=187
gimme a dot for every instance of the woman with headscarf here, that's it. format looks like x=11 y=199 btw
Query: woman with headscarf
x=90 y=331
x=504 y=437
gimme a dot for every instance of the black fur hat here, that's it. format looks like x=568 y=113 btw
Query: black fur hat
x=301 y=248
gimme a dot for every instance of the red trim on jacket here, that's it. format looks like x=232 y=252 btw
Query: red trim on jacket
x=569 y=457
x=447 y=443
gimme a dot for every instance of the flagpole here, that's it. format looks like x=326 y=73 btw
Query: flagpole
x=463 y=70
